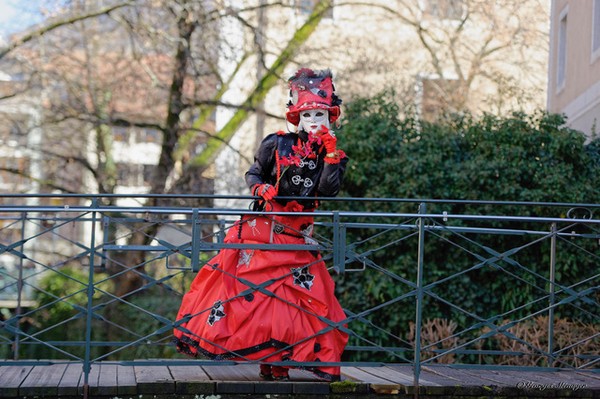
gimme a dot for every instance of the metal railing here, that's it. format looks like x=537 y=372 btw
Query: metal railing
x=421 y=281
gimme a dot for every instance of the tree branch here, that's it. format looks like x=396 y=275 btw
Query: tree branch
x=57 y=24
x=269 y=80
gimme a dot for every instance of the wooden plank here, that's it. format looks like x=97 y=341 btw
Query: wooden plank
x=11 y=378
x=493 y=377
x=485 y=381
x=431 y=382
x=249 y=371
x=564 y=383
x=465 y=384
x=498 y=383
x=592 y=378
x=188 y=373
x=461 y=377
x=126 y=383
x=303 y=375
x=356 y=374
x=69 y=382
x=377 y=384
x=191 y=380
x=428 y=373
x=43 y=380
x=107 y=381
x=231 y=379
x=154 y=379
x=229 y=373
x=523 y=377
x=93 y=377
x=402 y=377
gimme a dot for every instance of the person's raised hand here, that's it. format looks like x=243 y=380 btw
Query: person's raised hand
x=329 y=141
x=265 y=191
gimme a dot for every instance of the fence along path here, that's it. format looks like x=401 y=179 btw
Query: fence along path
x=112 y=380
x=42 y=241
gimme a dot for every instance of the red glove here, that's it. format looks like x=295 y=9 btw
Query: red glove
x=266 y=191
x=329 y=141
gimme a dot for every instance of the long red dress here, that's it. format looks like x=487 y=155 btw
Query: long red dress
x=268 y=305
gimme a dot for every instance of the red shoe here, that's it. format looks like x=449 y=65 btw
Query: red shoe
x=265 y=372
x=280 y=373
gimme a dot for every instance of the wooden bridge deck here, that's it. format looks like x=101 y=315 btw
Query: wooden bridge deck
x=109 y=380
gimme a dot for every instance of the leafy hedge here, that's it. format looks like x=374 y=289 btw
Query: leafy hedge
x=524 y=157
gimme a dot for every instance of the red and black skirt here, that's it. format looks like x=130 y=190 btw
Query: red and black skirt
x=264 y=305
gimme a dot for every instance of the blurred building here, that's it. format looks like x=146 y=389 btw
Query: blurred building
x=574 y=64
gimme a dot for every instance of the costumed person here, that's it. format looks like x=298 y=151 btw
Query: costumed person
x=276 y=305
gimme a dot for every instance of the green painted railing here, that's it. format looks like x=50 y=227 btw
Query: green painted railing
x=83 y=281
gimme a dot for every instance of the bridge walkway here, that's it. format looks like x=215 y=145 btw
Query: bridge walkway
x=112 y=380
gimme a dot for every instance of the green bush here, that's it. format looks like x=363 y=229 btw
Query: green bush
x=529 y=158
x=122 y=328
x=61 y=314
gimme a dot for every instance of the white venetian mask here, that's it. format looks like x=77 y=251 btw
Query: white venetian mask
x=312 y=119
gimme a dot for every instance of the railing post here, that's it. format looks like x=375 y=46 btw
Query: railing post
x=222 y=233
x=196 y=237
x=419 y=298
x=339 y=243
x=105 y=238
x=551 y=297
x=90 y=295
x=19 y=310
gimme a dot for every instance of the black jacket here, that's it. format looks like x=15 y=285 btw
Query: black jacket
x=313 y=178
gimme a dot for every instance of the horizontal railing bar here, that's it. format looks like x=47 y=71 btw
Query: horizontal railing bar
x=461 y=352
x=154 y=362
x=495 y=367
x=456 y=229
x=322 y=199
x=215 y=247
x=82 y=343
x=342 y=214
x=350 y=225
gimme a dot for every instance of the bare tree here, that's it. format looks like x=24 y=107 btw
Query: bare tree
x=150 y=65
x=471 y=44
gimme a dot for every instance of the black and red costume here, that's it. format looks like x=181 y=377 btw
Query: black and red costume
x=272 y=305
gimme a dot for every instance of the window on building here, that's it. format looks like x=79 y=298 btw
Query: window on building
x=121 y=133
x=148 y=174
x=596 y=30
x=446 y=9
x=136 y=135
x=123 y=174
x=305 y=7
x=561 y=65
x=134 y=175
x=148 y=135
